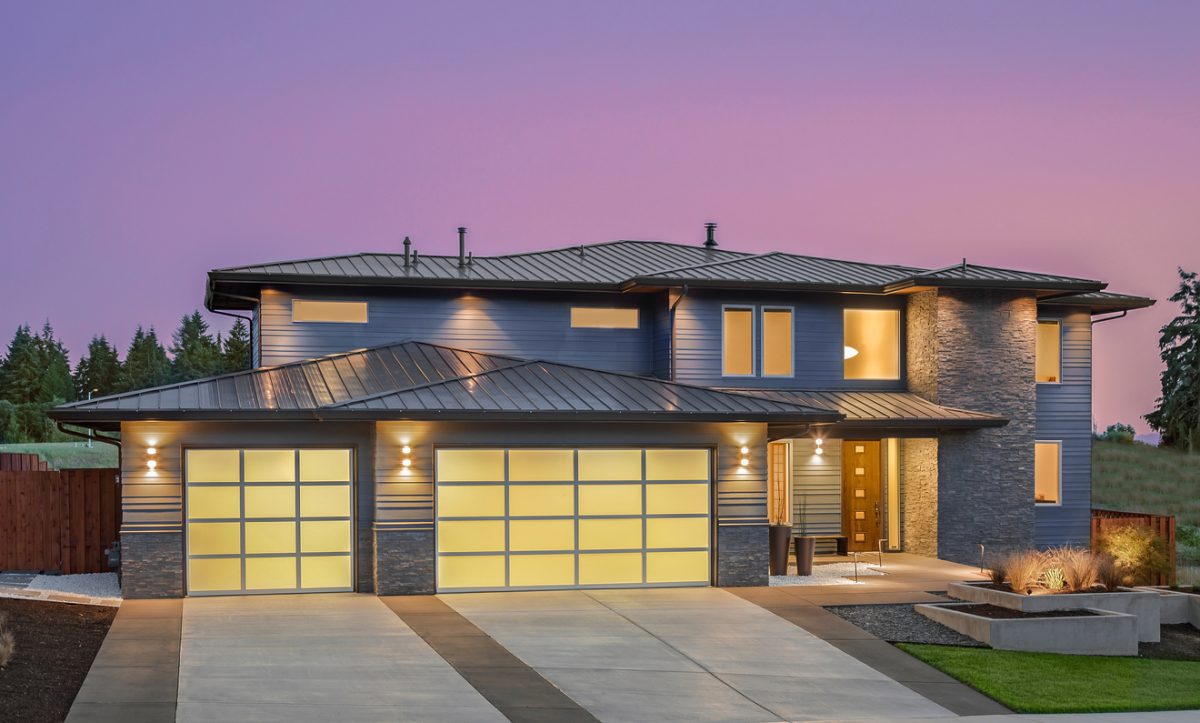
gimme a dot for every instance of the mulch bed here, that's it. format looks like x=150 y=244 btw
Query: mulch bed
x=900 y=623
x=995 y=612
x=1179 y=642
x=55 y=646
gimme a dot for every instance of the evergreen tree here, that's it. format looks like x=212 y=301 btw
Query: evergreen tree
x=196 y=353
x=237 y=348
x=57 y=385
x=99 y=371
x=36 y=370
x=146 y=362
x=1177 y=416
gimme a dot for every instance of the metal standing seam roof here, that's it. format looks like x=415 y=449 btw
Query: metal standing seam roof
x=886 y=409
x=1099 y=302
x=419 y=380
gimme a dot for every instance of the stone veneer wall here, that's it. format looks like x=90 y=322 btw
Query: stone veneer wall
x=151 y=565
x=404 y=562
x=742 y=555
x=919 y=495
x=975 y=350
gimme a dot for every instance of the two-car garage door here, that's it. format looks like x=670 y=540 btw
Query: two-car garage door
x=569 y=518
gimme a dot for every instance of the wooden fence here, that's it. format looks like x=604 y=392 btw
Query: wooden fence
x=1163 y=526
x=22 y=461
x=60 y=521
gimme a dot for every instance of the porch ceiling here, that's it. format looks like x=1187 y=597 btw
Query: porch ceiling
x=882 y=409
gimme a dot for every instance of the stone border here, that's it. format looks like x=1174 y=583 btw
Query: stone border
x=1104 y=633
x=60 y=597
x=1142 y=604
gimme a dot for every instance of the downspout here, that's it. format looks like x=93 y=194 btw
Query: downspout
x=81 y=435
x=1110 y=318
x=672 y=317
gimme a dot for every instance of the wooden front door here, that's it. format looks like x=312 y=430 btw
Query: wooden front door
x=862 y=508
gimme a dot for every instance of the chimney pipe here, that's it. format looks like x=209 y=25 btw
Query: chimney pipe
x=462 y=246
x=407 y=251
x=710 y=233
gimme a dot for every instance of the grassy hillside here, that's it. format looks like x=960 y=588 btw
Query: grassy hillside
x=69 y=455
x=1140 y=478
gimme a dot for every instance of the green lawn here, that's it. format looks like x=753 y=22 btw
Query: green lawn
x=1049 y=683
x=1140 y=478
x=69 y=455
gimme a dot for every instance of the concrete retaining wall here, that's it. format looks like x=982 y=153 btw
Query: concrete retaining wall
x=1142 y=604
x=1105 y=633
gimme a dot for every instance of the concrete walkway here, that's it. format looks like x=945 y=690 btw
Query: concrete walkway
x=297 y=658
x=685 y=654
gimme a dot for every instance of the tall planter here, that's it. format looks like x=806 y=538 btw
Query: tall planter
x=805 y=546
x=780 y=539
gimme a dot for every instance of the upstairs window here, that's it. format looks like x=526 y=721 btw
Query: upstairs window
x=1047 y=473
x=737 y=334
x=336 y=312
x=603 y=317
x=1049 y=352
x=777 y=342
x=871 y=343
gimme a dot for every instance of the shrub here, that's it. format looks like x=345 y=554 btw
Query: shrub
x=1054 y=580
x=1109 y=573
x=1123 y=433
x=997 y=572
x=1024 y=570
x=1080 y=568
x=8 y=643
x=1137 y=551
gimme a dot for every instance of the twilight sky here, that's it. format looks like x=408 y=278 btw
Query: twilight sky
x=143 y=143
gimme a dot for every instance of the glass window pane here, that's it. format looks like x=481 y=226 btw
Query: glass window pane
x=270 y=537
x=213 y=465
x=214 y=538
x=470 y=571
x=270 y=501
x=677 y=464
x=610 y=499
x=471 y=536
x=344 y=312
x=1049 y=351
x=541 y=535
x=677 y=532
x=1047 y=458
x=325 y=501
x=541 y=465
x=542 y=570
x=610 y=568
x=470 y=465
x=587 y=317
x=738 y=340
x=332 y=571
x=470 y=501
x=676 y=499
x=777 y=342
x=610 y=534
x=271 y=573
x=610 y=465
x=270 y=465
x=872 y=343
x=325 y=536
x=210 y=575
x=541 y=500
x=324 y=465
x=677 y=567
x=217 y=502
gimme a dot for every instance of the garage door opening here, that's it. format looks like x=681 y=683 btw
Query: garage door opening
x=268 y=520
x=532 y=519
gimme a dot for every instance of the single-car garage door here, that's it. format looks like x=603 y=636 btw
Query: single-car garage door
x=569 y=518
x=268 y=520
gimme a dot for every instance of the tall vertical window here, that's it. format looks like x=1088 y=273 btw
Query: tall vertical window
x=1049 y=352
x=1047 y=473
x=871 y=343
x=777 y=342
x=737 y=352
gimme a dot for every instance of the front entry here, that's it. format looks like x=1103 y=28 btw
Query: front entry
x=530 y=519
x=862 y=513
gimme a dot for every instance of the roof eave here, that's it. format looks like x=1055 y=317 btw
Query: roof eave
x=1073 y=286
x=646 y=281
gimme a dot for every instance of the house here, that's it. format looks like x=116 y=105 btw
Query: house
x=629 y=413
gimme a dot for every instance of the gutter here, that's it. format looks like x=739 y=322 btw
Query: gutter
x=1121 y=315
x=674 y=356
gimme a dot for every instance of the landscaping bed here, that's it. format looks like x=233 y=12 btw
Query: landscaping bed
x=900 y=623
x=1178 y=642
x=996 y=612
x=1053 y=683
x=55 y=646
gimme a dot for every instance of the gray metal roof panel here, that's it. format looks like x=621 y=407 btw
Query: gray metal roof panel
x=1100 y=302
x=883 y=408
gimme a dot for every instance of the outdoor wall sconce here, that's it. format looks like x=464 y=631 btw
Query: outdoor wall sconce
x=820 y=446
x=745 y=461
x=151 y=464
x=406 y=460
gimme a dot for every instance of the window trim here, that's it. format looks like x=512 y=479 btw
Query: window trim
x=762 y=313
x=900 y=345
x=753 y=340
x=366 y=307
x=1059 y=501
x=1059 y=323
x=636 y=310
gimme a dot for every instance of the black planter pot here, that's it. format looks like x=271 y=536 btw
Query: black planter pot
x=781 y=536
x=804 y=554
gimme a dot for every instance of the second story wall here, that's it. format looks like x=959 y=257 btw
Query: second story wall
x=526 y=324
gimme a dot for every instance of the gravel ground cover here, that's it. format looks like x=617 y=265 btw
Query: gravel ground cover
x=834 y=573
x=98 y=584
x=901 y=624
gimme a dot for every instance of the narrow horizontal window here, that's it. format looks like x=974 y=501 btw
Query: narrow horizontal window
x=1049 y=352
x=1047 y=477
x=871 y=344
x=338 y=312
x=777 y=342
x=738 y=343
x=603 y=317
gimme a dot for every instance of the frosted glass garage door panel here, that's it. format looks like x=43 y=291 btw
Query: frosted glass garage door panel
x=541 y=535
x=324 y=465
x=676 y=464
x=541 y=570
x=325 y=572
x=214 y=465
x=470 y=536
x=214 y=575
x=610 y=499
x=270 y=465
x=610 y=465
x=541 y=500
x=677 y=532
x=214 y=538
x=470 y=465
x=610 y=569
x=324 y=500
x=610 y=534
x=471 y=571
x=541 y=465
x=677 y=499
x=270 y=501
x=214 y=502
x=271 y=573
x=325 y=536
x=676 y=567
x=270 y=537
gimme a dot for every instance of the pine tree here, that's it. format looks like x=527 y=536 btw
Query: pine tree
x=237 y=348
x=57 y=385
x=196 y=353
x=99 y=371
x=36 y=370
x=1177 y=416
x=146 y=362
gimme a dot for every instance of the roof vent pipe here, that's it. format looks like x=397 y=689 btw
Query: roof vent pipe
x=407 y=251
x=710 y=235
x=462 y=246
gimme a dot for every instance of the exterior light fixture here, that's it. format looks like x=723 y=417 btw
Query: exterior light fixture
x=406 y=449
x=406 y=462
x=745 y=451
x=406 y=459
x=820 y=446
x=745 y=462
x=152 y=451
x=850 y=352
x=151 y=464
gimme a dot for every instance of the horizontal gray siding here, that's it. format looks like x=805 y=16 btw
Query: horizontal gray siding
x=817 y=339
x=817 y=488
x=1064 y=412
x=529 y=325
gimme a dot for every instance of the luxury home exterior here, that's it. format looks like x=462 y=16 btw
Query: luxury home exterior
x=608 y=415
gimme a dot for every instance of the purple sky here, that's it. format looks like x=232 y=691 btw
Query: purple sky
x=143 y=143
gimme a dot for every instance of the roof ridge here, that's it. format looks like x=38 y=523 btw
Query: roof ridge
x=424 y=385
x=710 y=263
